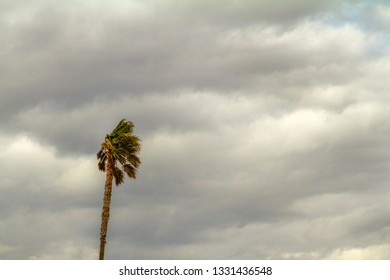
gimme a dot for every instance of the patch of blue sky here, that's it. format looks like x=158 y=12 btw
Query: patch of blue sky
x=364 y=15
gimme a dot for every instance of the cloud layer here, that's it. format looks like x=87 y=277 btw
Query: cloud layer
x=265 y=128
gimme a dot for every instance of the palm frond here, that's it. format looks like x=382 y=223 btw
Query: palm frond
x=101 y=156
x=102 y=164
x=133 y=160
x=118 y=176
x=130 y=170
x=123 y=127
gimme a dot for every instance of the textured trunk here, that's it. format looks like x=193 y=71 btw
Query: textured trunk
x=106 y=207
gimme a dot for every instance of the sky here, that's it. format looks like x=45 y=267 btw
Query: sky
x=265 y=128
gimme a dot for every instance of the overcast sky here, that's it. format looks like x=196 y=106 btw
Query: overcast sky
x=265 y=128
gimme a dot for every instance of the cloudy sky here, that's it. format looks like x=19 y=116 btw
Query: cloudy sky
x=264 y=124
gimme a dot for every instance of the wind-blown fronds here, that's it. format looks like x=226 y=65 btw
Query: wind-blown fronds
x=118 y=176
x=120 y=146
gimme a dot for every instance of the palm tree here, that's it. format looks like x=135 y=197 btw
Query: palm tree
x=122 y=147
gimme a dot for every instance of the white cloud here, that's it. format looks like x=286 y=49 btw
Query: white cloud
x=375 y=252
x=23 y=161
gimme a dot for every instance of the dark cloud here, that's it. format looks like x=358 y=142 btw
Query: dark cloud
x=56 y=54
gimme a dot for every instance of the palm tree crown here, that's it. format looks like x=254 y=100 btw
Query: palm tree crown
x=122 y=146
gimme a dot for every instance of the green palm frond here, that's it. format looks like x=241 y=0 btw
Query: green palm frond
x=130 y=170
x=118 y=176
x=102 y=164
x=133 y=160
x=124 y=127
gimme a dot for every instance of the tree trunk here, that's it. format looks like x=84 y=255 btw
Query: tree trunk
x=106 y=207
